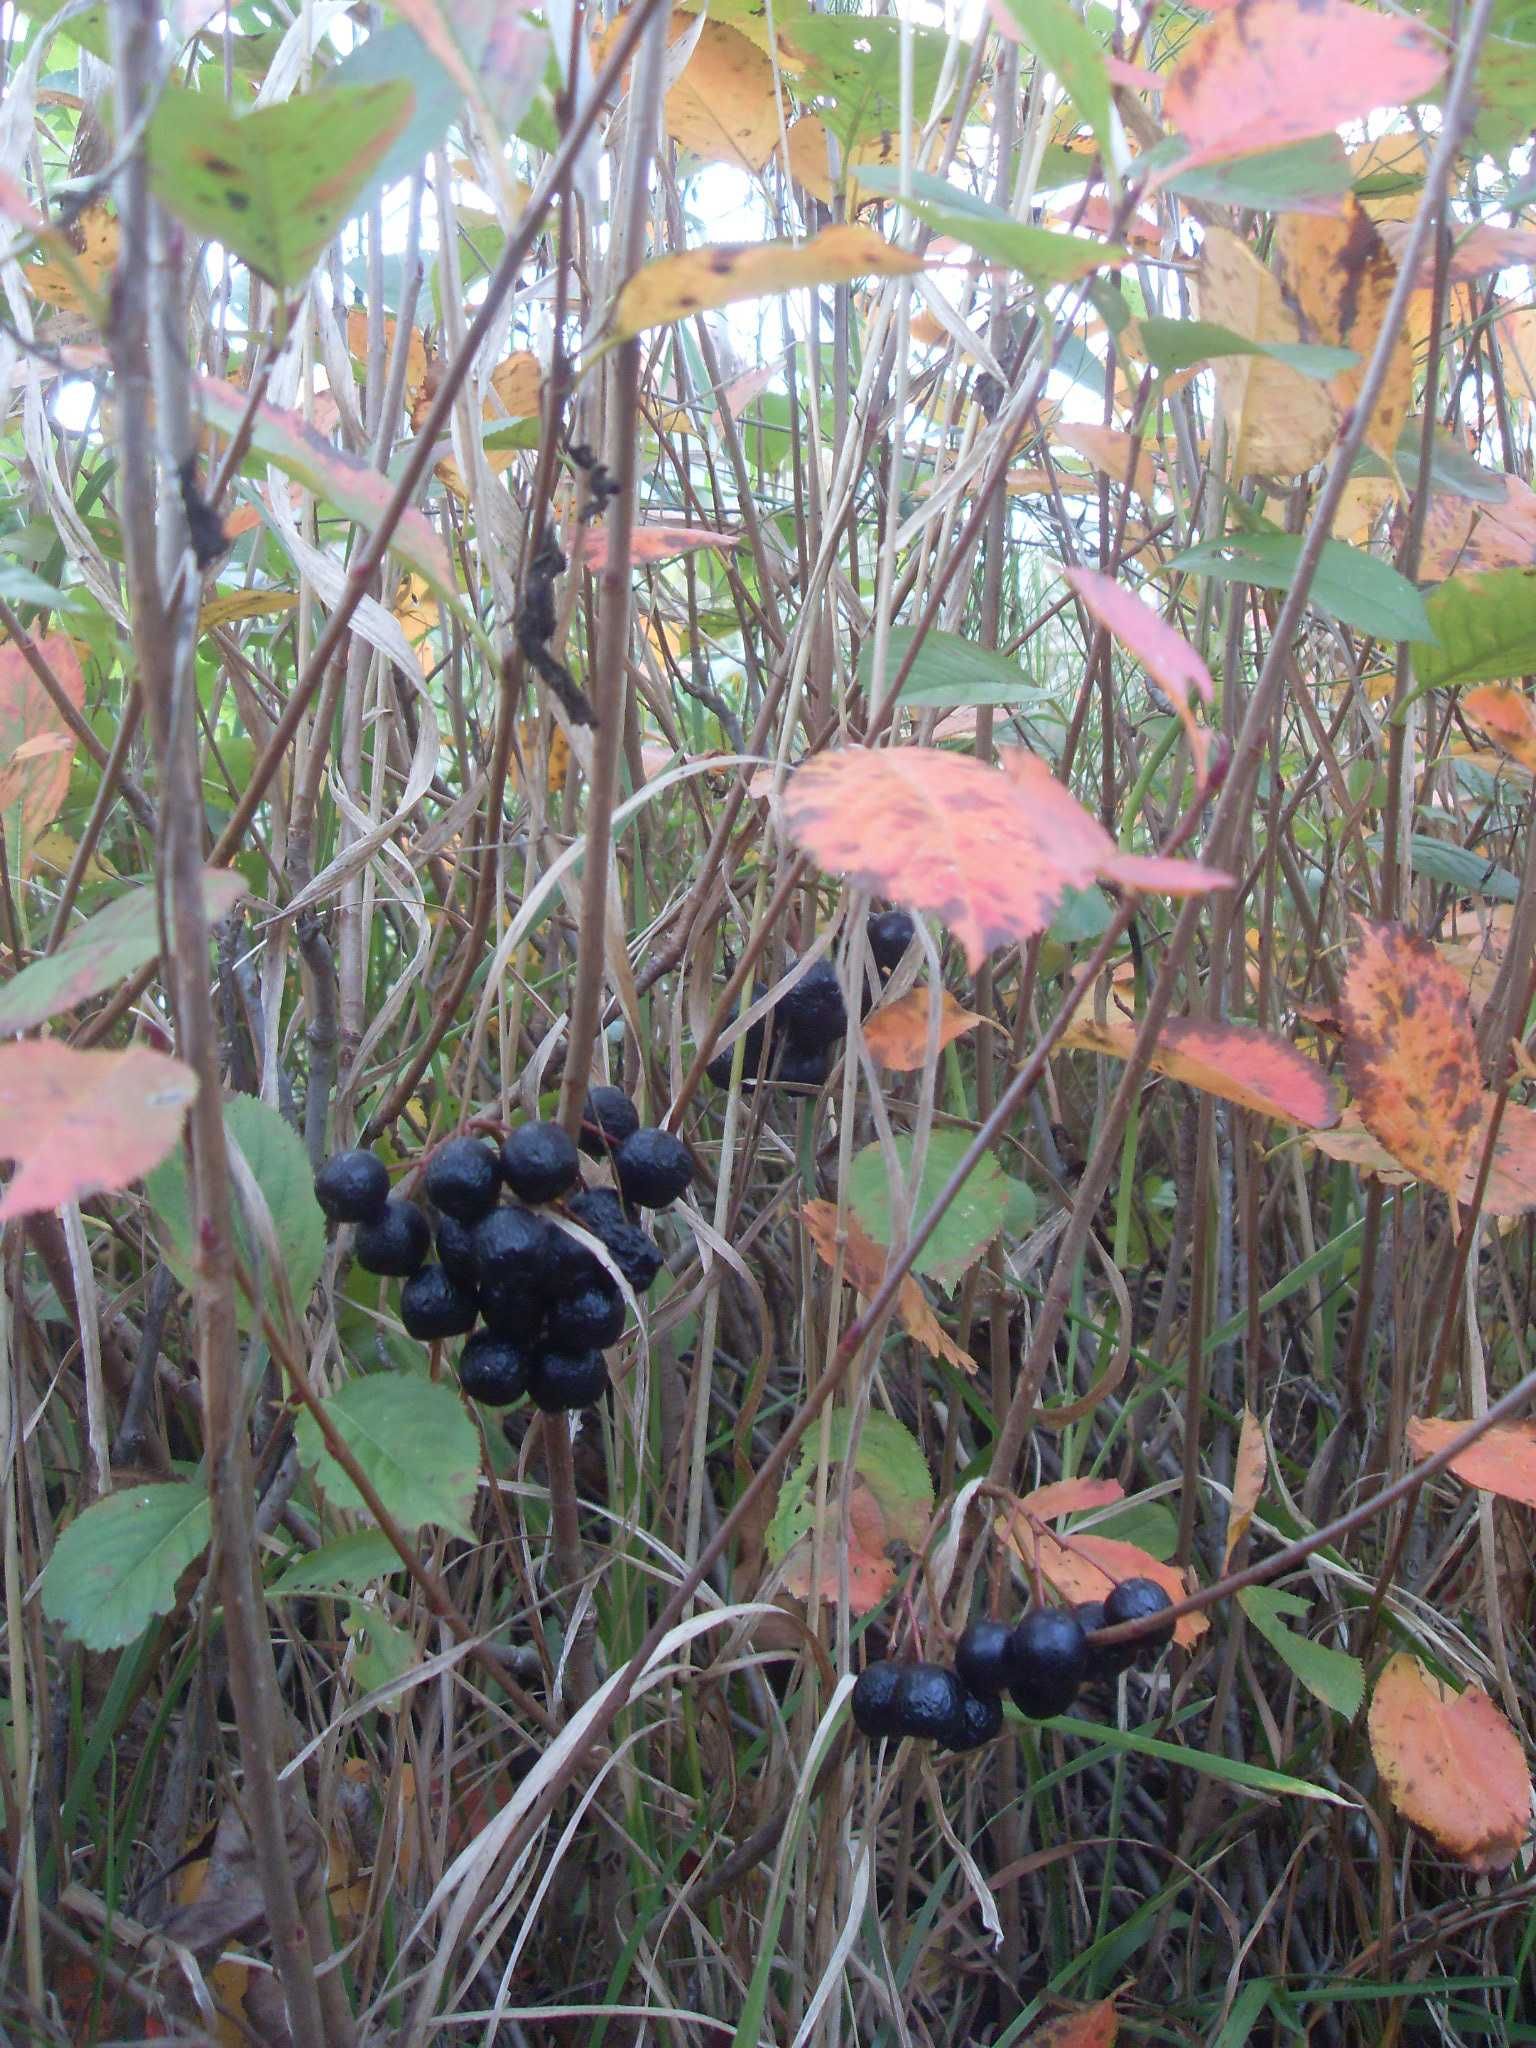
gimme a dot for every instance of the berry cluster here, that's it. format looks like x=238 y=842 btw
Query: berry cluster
x=797 y=1036
x=1043 y=1662
x=537 y=1307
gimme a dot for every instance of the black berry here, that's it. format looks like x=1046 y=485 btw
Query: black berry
x=511 y=1311
x=931 y=1703
x=352 y=1187
x=396 y=1243
x=462 y=1179
x=757 y=1035
x=1135 y=1600
x=512 y=1249
x=1050 y=1661
x=1102 y=1665
x=572 y=1268
x=876 y=1696
x=653 y=1168
x=890 y=932
x=538 y=1162
x=456 y=1250
x=631 y=1249
x=813 y=1013
x=433 y=1305
x=566 y=1379
x=803 y=1066
x=981 y=1720
x=493 y=1370
x=984 y=1657
x=589 y=1321
x=608 y=1119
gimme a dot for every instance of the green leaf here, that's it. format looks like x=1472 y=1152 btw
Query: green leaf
x=1066 y=45
x=277 y=184
x=1146 y=1523
x=889 y=1460
x=1023 y=1210
x=116 y=1565
x=949 y=670
x=1303 y=177
x=1486 y=627
x=20 y=586
x=1332 y=1676
x=414 y=1443
x=1179 y=344
x=1081 y=915
x=856 y=63
x=1360 y=589
x=352 y=1560
x=968 y=1226
x=393 y=53
x=1046 y=257
x=1207 y=1763
x=280 y=1166
x=1459 y=867
x=383 y=1653
x=114 y=943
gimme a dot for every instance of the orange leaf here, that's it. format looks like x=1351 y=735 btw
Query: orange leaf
x=83 y=1123
x=1247 y=1482
x=1125 y=457
x=1503 y=1460
x=1451 y=1764
x=1096 y=2026
x=864 y=1269
x=1269 y=72
x=897 y=1034
x=1071 y=1497
x=1507 y=716
x=992 y=854
x=653 y=543
x=1411 y=1056
x=871 y=1574
x=1095 y=1564
x=721 y=273
x=1235 y=1061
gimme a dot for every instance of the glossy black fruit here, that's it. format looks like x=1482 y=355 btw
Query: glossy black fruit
x=433 y=1305
x=981 y=1720
x=608 y=1119
x=512 y=1249
x=572 y=1269
x=803 y=1066
x=876 y=1699
x=512 y=1311
x=632 y=1249
x=493 y=1370
x=1102 y=1666
x=890 y=932
x=653 y=1168
x=1135 y=1600
x=1050 y=1661
x=539 y=1162
x=589 y=1321
x=984 y=1657
x=396 y=1243
x=758 y=1034
x=931 y=1703
x=463 y=1179
x=456 y=1250
x=813 y=1013
x=352 y=1187
x=566 y=1379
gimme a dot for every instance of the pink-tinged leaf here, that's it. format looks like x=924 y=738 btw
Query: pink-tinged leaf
x=292 y=445
x=1235 y=1061
x=1164 y=653
x=1153 y=874
x=1451 y=1764
x=650 y=544
x=490 y=50
x=36 y=746
x=1270 y=72
x=1473 y=254
x=85 y=1123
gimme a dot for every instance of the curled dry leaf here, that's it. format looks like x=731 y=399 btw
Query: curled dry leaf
x=897 y=1034
x=1084 y=1567
x=864 y=1268
x=1247 y=1482
x=1411 y=1056
x=698 y=280
x=1503 y=1459
x=1451 y=1764
x=990 y=853
x=1235 y=1061
x=85 y=1123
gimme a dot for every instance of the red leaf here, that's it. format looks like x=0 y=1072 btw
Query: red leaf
x=1088 y=1567
x=1164 y=653
x=36 y=746
x=897 y=1034
x=992 y=854
x=1269 y=72
x=1096 y=2026
x=1235 y=1061
x=1503 y=1460
x=1451 y=1764
x=84 y=1123
x=871 y=1574
x=653 y=543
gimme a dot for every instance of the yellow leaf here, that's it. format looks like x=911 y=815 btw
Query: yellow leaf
x=721 y=273
x=1247 y=1482
x=415 y=350
x=1339 y=274
x=244 y=604
x=78 y=279
x=416 y=609
x=559 y=752
x=808 y=160
x=1278 y=421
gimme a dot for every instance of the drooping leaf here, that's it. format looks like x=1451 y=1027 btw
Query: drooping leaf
x=1235 y=1061
x=273 y=185
x=1485 y=627
x=1248 y=1477
x=1360 y=589
x=967 y=1227
x=724 y=106
x=117 y=1565
x=85 y=1123
x=1502 y=1460
x=1330 y=1675
x=412 y=1440
x=990 y=853
x=275 y=1154
x=1269 y=72
x=351 y=1560
x=1279 y=421
x=1411 y=1054
x=897 y=1034
x=655 y=542
x=114 y=943
x=36 y=746
x=292 y=445
x=863 y=1265
x=1451 y=1764
x=699 y=280
x=1162 y=651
